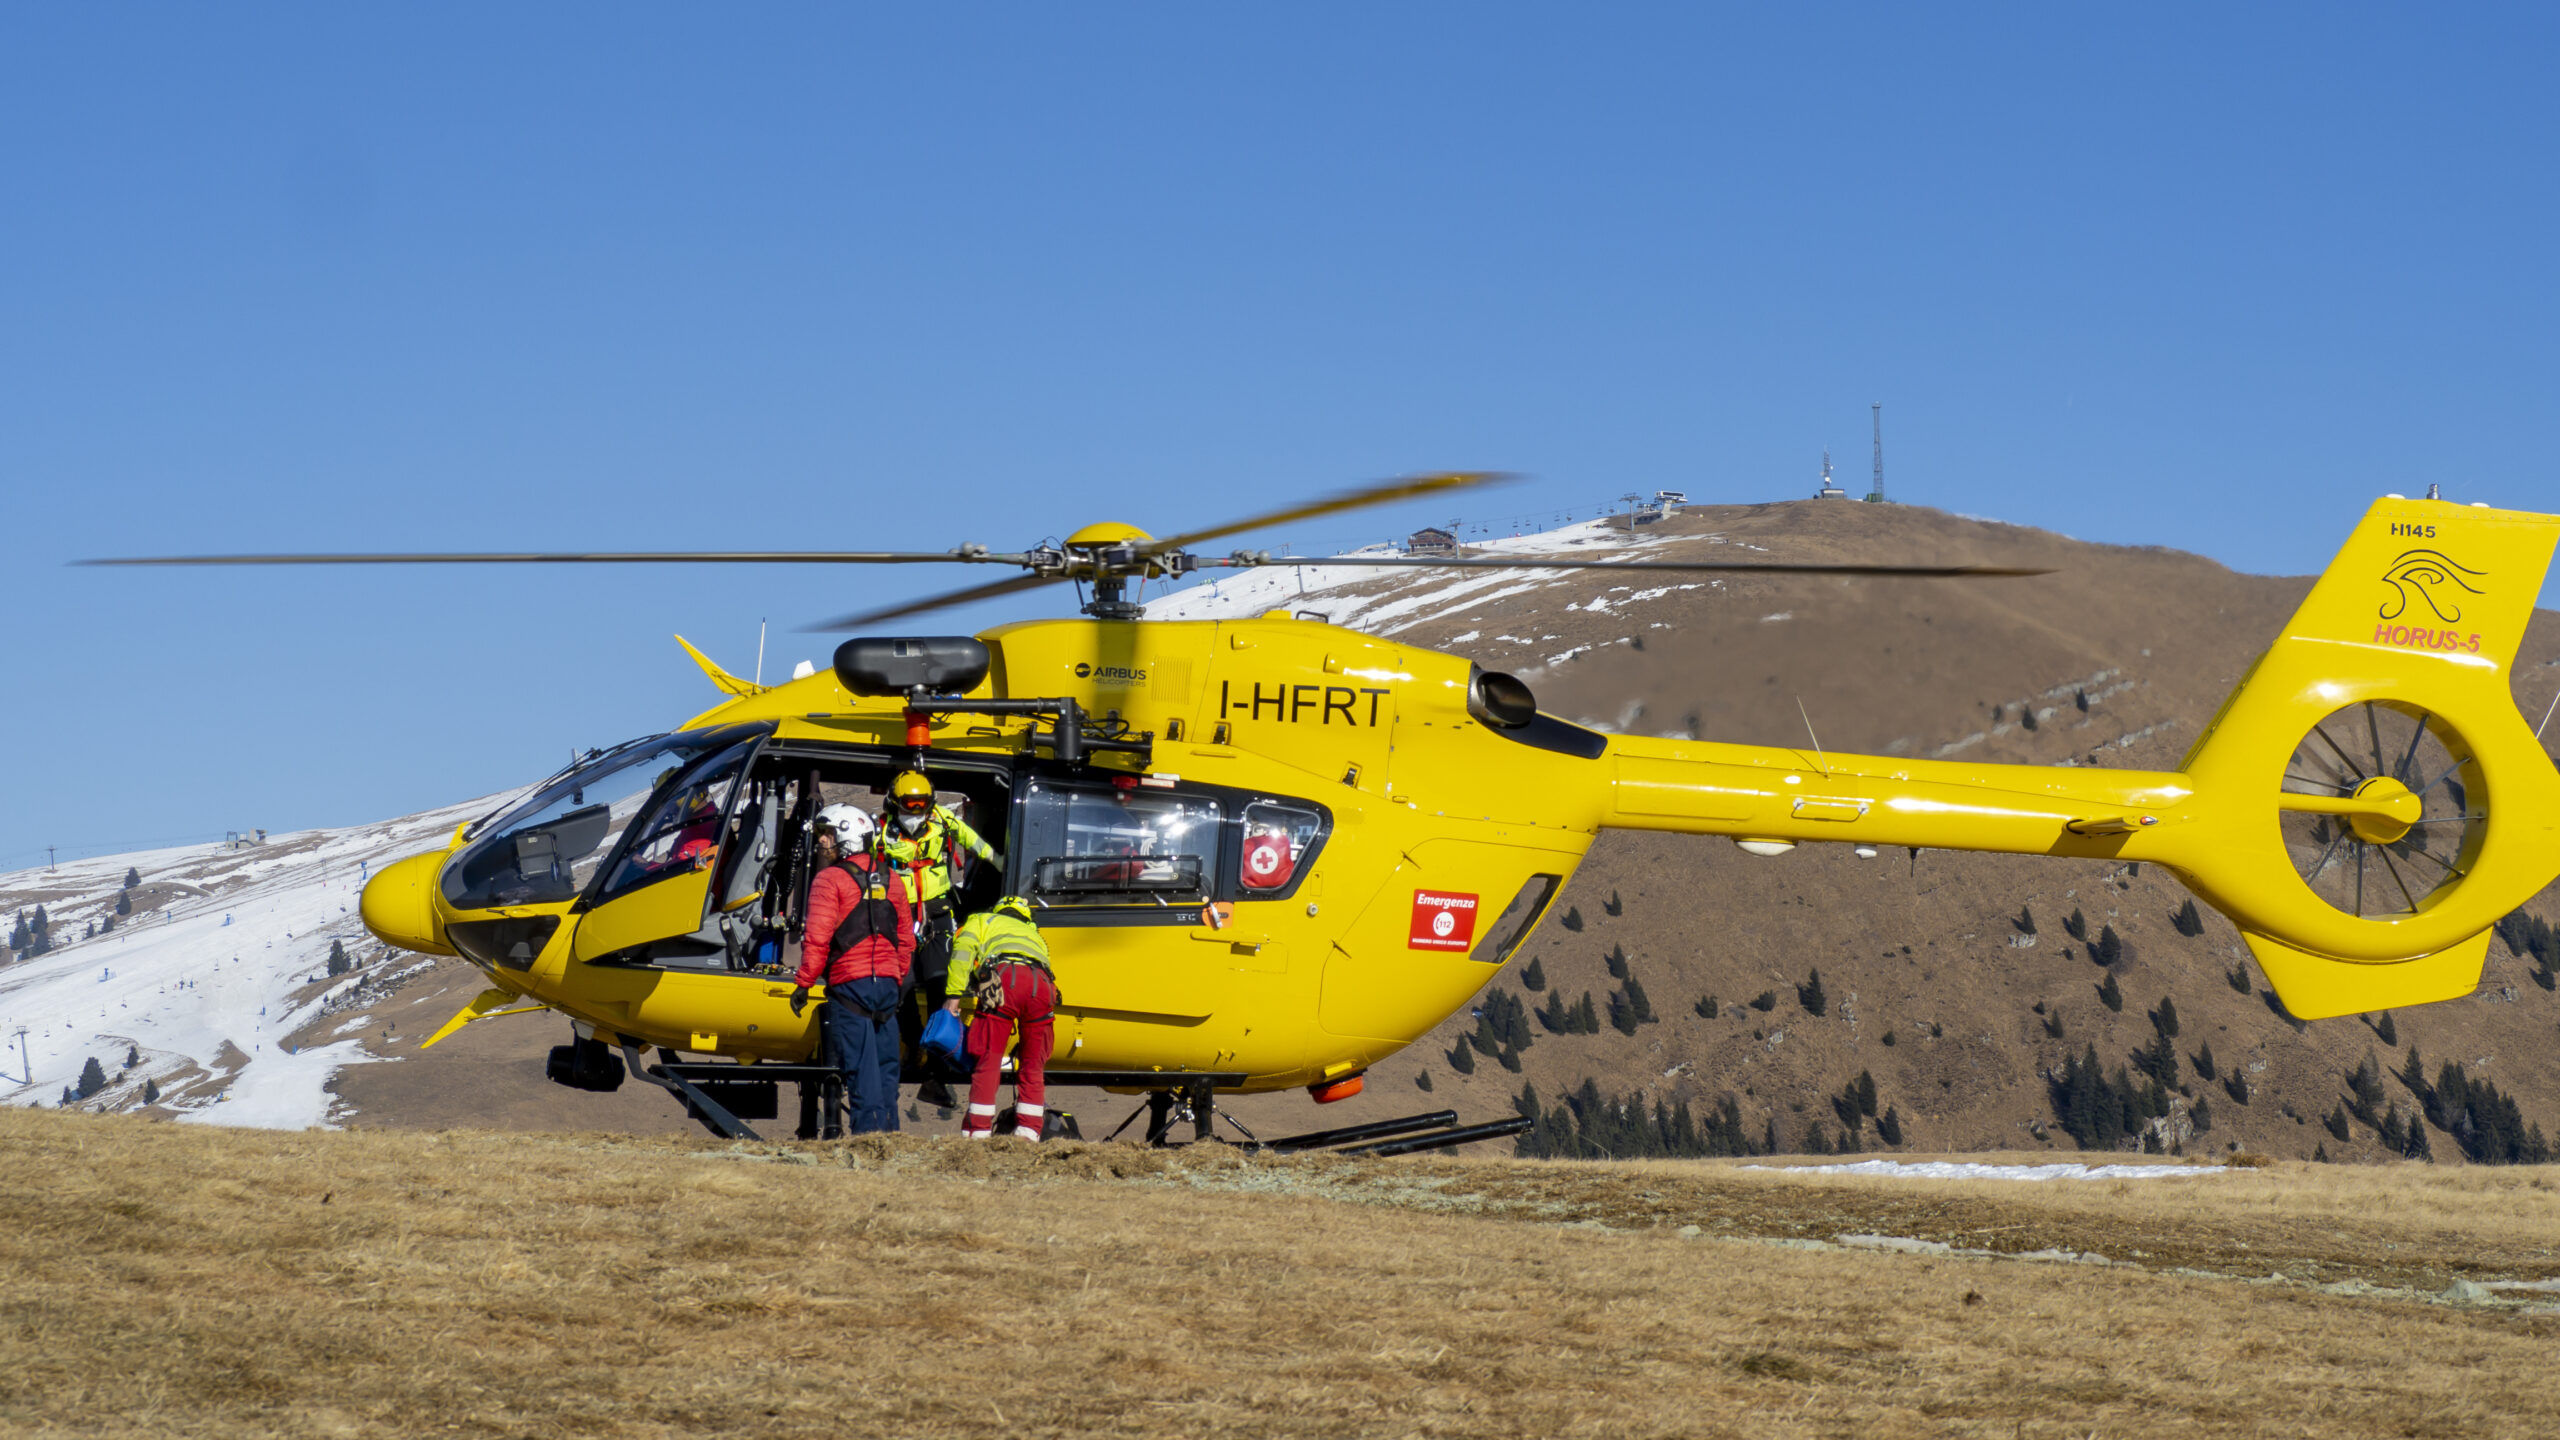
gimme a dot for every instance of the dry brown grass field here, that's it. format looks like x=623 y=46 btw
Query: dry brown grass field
x=168 y=1280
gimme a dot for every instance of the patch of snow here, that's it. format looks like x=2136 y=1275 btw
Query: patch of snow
x=1961 y=1170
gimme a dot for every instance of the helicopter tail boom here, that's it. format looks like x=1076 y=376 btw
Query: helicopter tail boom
x=2337 y=809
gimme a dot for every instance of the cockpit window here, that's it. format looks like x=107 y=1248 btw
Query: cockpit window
x=546 y=849
x=1111 y=845
x=682 y=833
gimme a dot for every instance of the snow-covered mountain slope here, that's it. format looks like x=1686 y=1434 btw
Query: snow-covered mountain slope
x=222 y=961
x=1389 y=602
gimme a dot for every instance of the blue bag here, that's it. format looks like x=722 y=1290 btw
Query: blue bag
x=944 y=1037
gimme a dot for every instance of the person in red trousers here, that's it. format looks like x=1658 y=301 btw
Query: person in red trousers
x=999 y=962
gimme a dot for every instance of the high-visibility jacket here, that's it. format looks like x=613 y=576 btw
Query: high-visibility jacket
x=928 y=861
x=987 y=937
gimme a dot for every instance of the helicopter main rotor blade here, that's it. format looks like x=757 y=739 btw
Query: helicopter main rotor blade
x=1499 y=562
x=600 y=557
x=1378 y=494
x=989 y=591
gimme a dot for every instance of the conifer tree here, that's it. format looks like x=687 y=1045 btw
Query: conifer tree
x=2110 y=995
x=2366 y=1081
x=2395 y=1131
x=2026 y=921
x=2159 y=1060
x=1765 y=1001
x=1508 y=1058
x=1617 y=961
x=1810 y=996
x=1462 y=1058
x=93 y=1077
x=1707 y=1007
x=2203 y=1060
x=2165 y=1019
x=2053 y=1023
x=124 y=903
x=1866 y=1092
x=132 y=877
x=2201 y=1116
x=132 y=1056
x=2188 y=921
x=1586 y=1016
x=150 y=1092
x=1889 y=1127
x=2389 y=1033
x=19 y=937
x=2236 y=1085
x=2077 y=927
x=1622 y=1013
x=1614 y=905
x=2237 y=977
x=2414 y=1075
x=1422 y=1080
x=1556 y=1015
x=1637 y=1002
x=1845 y=1105
x=338 y=964
x=2109 y=948
x=2336 y=1123
x=1534 y=978
x=1572 y=918
x=2320 y=1154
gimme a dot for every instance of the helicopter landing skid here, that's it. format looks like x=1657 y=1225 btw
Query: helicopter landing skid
x=671 y=1078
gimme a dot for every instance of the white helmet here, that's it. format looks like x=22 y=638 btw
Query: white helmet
x=852 y=825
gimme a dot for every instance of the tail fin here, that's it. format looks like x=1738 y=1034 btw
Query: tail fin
x=2411 y=805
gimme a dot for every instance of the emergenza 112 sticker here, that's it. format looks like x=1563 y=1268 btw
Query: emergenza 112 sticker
x=1442 y=920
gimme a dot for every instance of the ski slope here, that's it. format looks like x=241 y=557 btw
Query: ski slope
x=211 y=982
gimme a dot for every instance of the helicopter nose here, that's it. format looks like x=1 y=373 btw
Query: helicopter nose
x=399 y=906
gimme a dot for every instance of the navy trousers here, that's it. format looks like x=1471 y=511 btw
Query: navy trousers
x=860 y=1024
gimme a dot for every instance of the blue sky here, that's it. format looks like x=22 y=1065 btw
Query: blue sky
x=647 y=277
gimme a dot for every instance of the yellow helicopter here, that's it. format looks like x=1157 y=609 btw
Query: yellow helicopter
x=1270 y=852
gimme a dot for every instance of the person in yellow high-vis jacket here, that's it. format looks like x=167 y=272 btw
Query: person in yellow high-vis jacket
x=928 y=847
x=1001 y=964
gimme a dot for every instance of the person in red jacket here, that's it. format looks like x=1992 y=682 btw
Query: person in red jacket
x=861 y=940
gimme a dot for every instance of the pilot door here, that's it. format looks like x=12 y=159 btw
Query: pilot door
x=698 y=858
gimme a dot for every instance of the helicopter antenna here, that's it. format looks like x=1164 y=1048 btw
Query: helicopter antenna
x=759 y=652
x=1821 y=762
x=2546 y=714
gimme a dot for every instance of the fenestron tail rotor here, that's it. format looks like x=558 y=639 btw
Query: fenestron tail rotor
x=2382 y=808
x=1106 y=557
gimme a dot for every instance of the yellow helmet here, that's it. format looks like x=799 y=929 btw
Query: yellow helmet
x=911 y=794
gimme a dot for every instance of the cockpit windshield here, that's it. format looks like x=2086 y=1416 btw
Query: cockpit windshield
x=546 y=849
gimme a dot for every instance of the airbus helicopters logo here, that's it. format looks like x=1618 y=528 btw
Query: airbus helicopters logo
x=1125 y=676
x=2437 y=582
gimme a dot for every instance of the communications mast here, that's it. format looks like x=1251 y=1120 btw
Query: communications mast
x=1876 y=496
